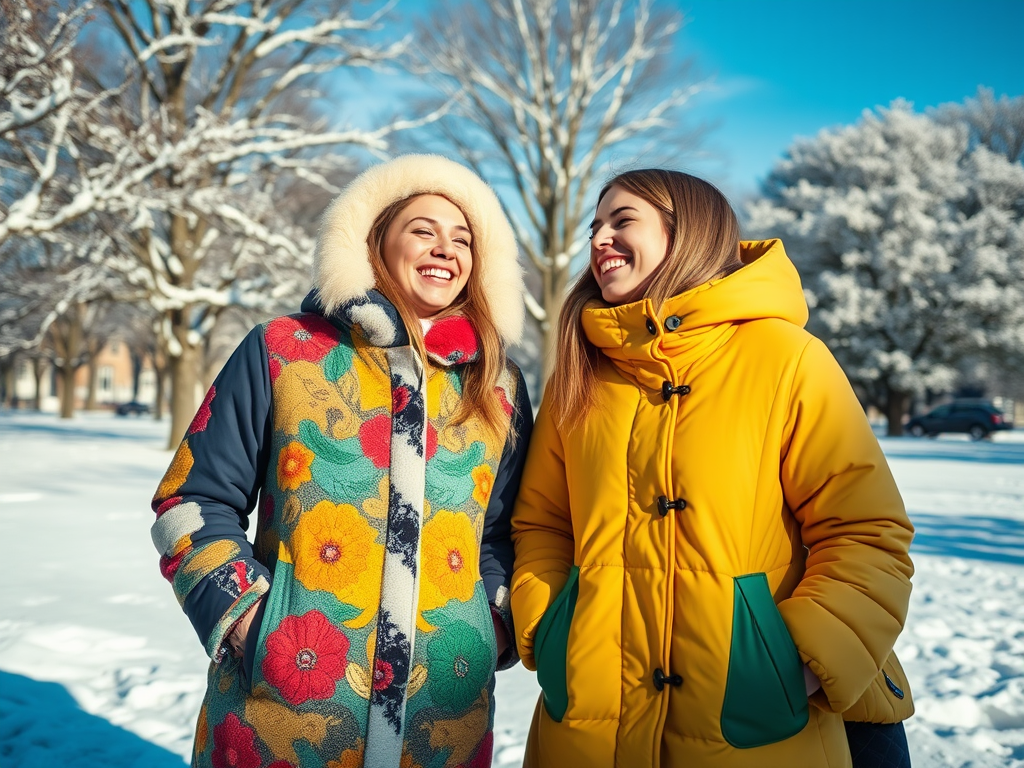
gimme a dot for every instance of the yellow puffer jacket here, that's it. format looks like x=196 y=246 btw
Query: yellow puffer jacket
x=724 y=515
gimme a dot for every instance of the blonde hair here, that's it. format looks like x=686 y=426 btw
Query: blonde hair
x=703 y=244
x=479 y=379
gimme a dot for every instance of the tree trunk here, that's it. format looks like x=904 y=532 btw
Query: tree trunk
x=67 y=390
x=9 y=381
x=38 y=366
x=161 y=393
x=90 y=400
x=895 y=407
x=184 y=380
x=553 y=301
x=137 y=359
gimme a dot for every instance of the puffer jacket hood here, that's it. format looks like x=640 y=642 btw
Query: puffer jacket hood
x=341 y=262
x=701 y=319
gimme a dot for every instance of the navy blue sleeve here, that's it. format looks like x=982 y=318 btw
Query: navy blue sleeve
x=204 y=501
x=497 y=555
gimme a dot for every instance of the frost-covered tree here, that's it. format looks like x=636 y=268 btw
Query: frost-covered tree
x=995 y=123
x=910 y=240
x=544 y=92
x=41 y=105
x=225 y=107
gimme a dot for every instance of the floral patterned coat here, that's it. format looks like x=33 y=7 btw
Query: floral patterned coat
x=382 y=543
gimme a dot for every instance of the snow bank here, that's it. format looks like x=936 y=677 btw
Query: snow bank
x=99 y=667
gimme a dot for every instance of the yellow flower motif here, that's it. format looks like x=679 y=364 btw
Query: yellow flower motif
x=483 y=484
x=450 y=559
x=335 y=550
x=177 y=473
x=202 y=730
x=350 y=758
x=293 y=465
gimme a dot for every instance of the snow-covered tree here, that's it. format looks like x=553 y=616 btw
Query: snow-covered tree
x=910 y=242
x=995 y=123
x=223 y=109
x=544 y=92
x=41 y=105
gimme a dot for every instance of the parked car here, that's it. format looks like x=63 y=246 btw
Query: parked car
x=978 y=418
x=133 y=408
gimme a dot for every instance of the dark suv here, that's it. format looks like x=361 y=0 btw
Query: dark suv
x=975 y=417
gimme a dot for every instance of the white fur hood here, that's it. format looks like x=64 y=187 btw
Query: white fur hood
x=341 y=263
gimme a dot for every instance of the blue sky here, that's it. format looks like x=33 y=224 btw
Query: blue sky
x=787 y=68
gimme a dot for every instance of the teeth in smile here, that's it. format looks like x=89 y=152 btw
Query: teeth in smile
x=444 y=274
x=612 y=264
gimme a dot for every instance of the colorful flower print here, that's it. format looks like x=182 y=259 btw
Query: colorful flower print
x=460 y=666
x=449 y=474
x=275 y=369
x=234 y=745
x=350 y=758
x=375 y=439
x=202 y=730
x=336 y=550
x=305 y=657
x=450 y=559
x=452 y=340
x=484 y=753
x=310 y=338
x=383 y=675
x=293 y=465
x=483 y=484
x=503 y=397
x=406 y=760
x=203 y=415
x=177 y=473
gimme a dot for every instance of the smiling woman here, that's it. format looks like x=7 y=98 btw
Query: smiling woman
x=381 y=434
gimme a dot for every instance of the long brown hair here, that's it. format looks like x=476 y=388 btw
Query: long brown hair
x=703 y=244
x=480 y=378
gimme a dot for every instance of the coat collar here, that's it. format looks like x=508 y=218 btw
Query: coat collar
x=341 y=264
x=651 y=345
x=449 y=341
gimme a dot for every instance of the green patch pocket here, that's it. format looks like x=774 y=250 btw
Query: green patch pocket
x=765 y=698
x=551 y=644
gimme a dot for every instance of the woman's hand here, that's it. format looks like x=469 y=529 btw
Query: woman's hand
x=811 y=681
x=500 y=634
x=238 y=634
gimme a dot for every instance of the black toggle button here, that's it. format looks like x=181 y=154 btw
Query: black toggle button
x=667 y=390
x=660 y=678
x=673 y=322
x=651 y=327
x=664 y=505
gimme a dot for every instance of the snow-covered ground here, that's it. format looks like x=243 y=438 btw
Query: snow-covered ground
x=98 y=666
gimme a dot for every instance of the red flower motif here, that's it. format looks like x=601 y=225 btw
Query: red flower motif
x=306 y=656
x=234 y=745
x=431 y=441
x=383 y=675
x=267 y=509
x=452 y=340
x=301 y=338
x=399 y=399
x=484 y=753
x=169 y=565
x=203 y=415
x=275 y=369
x=375 y=440
x=505 y=404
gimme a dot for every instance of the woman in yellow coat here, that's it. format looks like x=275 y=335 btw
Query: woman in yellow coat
x=711 y=553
